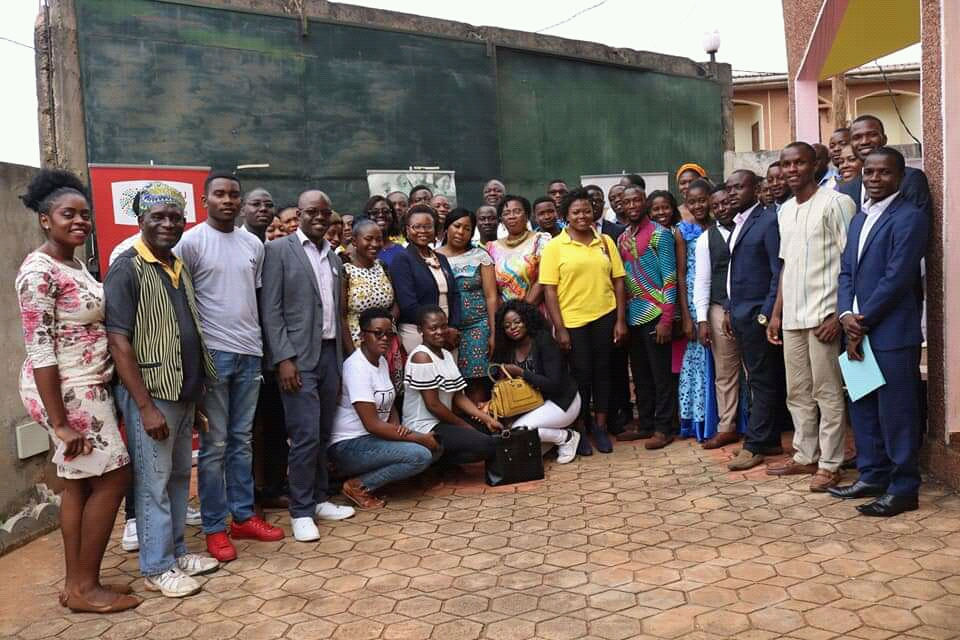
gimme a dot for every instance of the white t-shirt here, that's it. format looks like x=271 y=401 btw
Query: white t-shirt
x=440 y=374
x=362 y=382
x=226 y=270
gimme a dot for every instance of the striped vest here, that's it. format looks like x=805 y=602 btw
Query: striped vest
x=156 y=334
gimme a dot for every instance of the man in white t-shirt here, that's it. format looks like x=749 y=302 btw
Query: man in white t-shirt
x=225 y=263
x=368 y=444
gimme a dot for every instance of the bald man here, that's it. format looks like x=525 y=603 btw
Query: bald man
x=258 y=210
x=301 y=309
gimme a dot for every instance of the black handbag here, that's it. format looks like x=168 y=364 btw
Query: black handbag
x=518 y=457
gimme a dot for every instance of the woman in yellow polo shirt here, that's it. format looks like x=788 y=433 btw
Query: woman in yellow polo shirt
x=582 y=277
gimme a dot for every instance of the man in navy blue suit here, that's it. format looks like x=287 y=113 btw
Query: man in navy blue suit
x=867 y=135
x=752 y=281
x=878 y=298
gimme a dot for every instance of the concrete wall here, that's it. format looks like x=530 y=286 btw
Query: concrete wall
x=18 y=478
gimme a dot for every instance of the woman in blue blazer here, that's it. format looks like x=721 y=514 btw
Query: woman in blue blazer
x=421 y=276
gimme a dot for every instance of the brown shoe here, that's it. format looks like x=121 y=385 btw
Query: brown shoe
x=745 y=460
x=721 y=440
x=823 y=480
x=657 y=441
x=359 y=495
x=791 y=468
x=632 y=434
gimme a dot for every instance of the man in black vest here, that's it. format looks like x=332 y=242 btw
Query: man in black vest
x=709 y=297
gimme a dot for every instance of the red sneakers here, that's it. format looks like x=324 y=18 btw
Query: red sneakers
x=220 y=547
x=256 y=528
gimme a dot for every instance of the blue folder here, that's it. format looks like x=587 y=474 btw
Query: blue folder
x=861 y=377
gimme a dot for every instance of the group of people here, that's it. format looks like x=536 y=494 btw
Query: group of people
x=315 y=351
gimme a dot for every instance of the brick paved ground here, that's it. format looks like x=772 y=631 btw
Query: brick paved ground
x=637 y=544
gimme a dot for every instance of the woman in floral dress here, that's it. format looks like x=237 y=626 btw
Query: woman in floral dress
x=367 y=286
x=64 y=387
x=475 y=280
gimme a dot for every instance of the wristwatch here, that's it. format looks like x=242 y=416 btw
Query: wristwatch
x=763 y=320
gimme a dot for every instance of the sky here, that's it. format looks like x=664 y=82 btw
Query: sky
x=751 y=33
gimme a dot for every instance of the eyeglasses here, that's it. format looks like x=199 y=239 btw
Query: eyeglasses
x=420 y=228
x=313 y=213
x=380 y=335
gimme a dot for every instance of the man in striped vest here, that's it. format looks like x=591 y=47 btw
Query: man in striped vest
x=163 y=364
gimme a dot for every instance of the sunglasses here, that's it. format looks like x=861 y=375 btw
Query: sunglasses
x=378 y=334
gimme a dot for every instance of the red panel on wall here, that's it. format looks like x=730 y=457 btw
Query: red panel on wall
x=113 y=187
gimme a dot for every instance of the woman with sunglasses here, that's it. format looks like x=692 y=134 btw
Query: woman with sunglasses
x=368 y=444
x=381 y=212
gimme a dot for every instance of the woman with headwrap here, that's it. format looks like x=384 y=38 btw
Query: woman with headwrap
x=686 y=174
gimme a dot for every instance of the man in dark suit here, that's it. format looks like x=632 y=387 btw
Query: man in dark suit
x=867 y=135
x=752 y=281
x=880 y=270
x=300 y=309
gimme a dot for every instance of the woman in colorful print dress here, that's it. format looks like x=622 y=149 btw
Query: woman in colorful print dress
x=698 y=403
x=476 y=281
x=516 y=258
x=64 y=387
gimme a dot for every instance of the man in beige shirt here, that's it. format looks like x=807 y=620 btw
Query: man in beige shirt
x=813 y=233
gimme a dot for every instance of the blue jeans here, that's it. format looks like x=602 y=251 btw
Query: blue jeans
x=225 y=464
x=161 y=481
x=378 y=462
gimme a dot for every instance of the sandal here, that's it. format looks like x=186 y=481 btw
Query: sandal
x=79 y=604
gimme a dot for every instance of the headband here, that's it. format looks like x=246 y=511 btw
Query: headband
x=691 y=166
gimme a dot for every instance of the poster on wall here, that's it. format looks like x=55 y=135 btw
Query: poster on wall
x=384 y=181
x=113 y=188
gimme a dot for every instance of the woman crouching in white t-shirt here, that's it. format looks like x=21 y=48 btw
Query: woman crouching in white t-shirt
x=433 y=387
x=369 y=445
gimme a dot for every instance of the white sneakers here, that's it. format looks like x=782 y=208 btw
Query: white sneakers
x=330 y=511
x=173 y=583
x=567 y=451
x=304 y=529
x=193 y=516
x=194 y=564
x=129 y=541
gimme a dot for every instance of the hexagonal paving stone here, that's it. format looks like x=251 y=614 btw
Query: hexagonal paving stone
x=832 y=619
x=616 y=627
x=723 y=623
x=465 y=605
x=563 y=628
x=889 y=618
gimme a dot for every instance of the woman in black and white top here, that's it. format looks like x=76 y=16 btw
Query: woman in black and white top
x=433 y=387
x=368 y=443
x=526 y=350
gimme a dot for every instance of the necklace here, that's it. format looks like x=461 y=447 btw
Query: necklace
x=519 y=241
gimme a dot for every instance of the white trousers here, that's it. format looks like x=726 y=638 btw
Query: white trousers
x=551 y=421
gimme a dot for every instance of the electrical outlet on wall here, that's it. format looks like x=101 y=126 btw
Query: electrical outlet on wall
x=32 y=440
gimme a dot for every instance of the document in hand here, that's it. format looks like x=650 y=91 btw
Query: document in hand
x=863 y=377
x=93 y=463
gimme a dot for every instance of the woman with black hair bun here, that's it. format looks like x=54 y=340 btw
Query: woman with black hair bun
x=525 y=349
x=64 y=387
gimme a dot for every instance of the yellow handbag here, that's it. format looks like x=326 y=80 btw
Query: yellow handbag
x=511 y=396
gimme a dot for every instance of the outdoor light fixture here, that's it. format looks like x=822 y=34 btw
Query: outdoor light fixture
x=711 y=44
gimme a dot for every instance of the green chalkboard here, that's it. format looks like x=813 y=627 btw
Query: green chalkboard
x=186 y=85
x=567 y=118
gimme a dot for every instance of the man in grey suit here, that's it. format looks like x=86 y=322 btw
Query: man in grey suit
x=300 y=305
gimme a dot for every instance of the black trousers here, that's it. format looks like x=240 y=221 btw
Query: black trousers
x=653 y=379
x=591 y=345
x=463 y=446
x=270 y=448
x=621 y=409
x=766 y=379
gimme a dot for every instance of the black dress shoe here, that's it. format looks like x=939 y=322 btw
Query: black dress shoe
x=889 y=505
x=858 y=490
